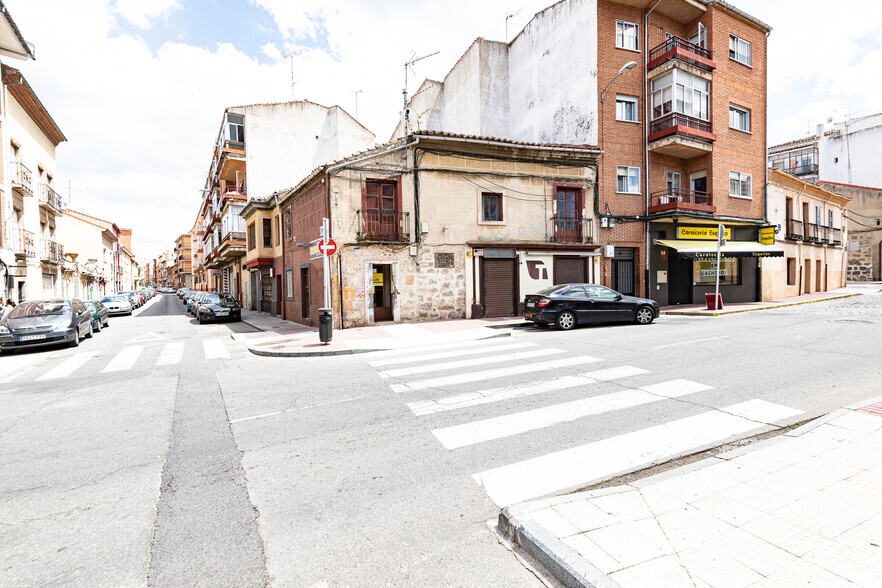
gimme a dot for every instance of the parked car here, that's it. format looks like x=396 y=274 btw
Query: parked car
x=37 y=323
x=185 y=299
x=100 y=314
x=214 y=306
x=568 y=305
x=118 y=304
x=137 y=301
x=182 y=291
x=193 y=302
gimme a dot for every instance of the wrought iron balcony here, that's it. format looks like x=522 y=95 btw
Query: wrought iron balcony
x=680 y=135
x=50 y=199
x=234 y=145
x=802 y=170
x=794 y=230
x=22 y=178
x=22 y=242
x=835 y=236
x=51 y=252
x=683 y=50
x=812 y=233
x=383 y=226
x=572 y=229
x=681 y=200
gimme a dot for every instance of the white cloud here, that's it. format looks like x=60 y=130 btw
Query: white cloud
x=141 y=12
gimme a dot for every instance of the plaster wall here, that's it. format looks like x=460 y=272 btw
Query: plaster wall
x=848 y=152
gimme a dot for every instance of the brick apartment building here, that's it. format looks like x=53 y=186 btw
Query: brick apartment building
x=672 y=92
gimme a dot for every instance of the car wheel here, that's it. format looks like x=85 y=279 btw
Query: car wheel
x=97 y=327
x=76 y=339
x=90 y=332
x=566 y=320
x=200 y=319
x=644 y=315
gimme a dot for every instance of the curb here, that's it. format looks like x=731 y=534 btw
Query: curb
x=725 y=312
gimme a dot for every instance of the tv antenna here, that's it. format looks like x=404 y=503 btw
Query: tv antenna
x=508 y=17
x=409 y=64
x=357 y=92
x=292 y=56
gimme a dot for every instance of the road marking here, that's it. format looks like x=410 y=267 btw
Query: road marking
x=469 y=399
x=215 y=349
x=452 y=365
x=689 y=342
x=527 y=368
x=531 y=420
x=171 y=354
x=12 y=367
x=296 y=409
x=257 y=416
x=762 y=412
x=602 y=460
x=68 y=366
x=146 y=338
x=124 y=360
x=446 y=354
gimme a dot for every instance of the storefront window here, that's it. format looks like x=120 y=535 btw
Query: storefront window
x=704 y=272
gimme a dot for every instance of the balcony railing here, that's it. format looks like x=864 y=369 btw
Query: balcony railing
x=22 y=177
x=383 y=225
x=679 y=199
x=572 y=229
x=812 y=233
x=683 y=125
x=824 y=233
x=802 y=170
x=234 y=145
x=677 y=48
x=22 y=242
x=51 y=252
x=835 y=236
x=794 y=230
x=51 y=198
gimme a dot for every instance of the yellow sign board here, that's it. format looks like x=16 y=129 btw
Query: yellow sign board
x=378 y=279
x=705 y=233
x=767 y=235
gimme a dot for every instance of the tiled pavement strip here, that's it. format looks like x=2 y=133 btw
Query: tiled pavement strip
x=800 y=509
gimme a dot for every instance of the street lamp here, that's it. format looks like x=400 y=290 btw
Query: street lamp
x=627 y=67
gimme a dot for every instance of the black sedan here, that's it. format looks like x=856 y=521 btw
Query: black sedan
x=214 y=307
x=36 y=323
x=568 y=305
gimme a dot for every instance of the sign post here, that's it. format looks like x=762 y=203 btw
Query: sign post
x=326 y=265
x=721 y=234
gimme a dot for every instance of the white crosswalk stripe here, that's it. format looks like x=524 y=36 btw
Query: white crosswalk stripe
x=68 y=366
x=580 y=466
x=171 y=354
x=125 y=359
x=215 y=349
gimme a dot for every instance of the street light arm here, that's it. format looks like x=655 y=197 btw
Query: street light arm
x=628 y=66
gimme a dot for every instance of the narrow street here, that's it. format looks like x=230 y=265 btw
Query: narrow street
x=161 y=451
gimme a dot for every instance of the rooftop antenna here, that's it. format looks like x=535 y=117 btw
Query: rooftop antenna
x=292 y=56
x=357 y=92
x=508 y=17
x=409 y=64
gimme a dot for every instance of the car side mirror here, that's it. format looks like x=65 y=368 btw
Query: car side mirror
x=619 y=296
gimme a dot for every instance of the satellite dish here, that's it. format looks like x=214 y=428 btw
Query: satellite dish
x=7 y=257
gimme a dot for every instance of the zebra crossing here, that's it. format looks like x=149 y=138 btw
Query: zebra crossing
x=431 y=381
x=128 y=358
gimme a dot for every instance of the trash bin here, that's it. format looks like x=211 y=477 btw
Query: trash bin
x=326 y=324
x=712 y=304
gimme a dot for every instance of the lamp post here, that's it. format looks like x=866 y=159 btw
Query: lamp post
x=627 y=67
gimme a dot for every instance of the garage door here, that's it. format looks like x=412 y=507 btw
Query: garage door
x=570 y=270
x=498 y=287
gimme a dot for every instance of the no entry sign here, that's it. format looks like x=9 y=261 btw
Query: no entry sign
x=328 y=247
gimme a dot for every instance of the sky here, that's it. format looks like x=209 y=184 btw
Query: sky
x=139 y=86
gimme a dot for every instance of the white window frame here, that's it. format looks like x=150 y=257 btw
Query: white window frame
x=620 y=112
x=736 y=50
x=741 y=179
x=677 y=93
x=622 y=26
x=631 y=176
x=673 y=180
x=736 y=113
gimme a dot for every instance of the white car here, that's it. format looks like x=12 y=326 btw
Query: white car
x=118 y=304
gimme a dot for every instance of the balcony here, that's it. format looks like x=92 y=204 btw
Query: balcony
x=232 y=160
x=22 y=178
x=680 y=200
x=812 y=233
x=383 y=226
x=680 y=135
x=794 y=230
x=51 y=252
x=835 y=237
x=49 y=199
x=682 y=50
x=232 y=244
x=572 y=229
x=22 y=243
x=802 y=170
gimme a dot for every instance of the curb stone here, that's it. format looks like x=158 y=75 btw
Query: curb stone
x=725 y=312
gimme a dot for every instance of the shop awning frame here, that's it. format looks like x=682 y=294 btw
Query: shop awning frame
x=689 y=249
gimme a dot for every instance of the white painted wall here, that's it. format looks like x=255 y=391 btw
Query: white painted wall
x=856 y=147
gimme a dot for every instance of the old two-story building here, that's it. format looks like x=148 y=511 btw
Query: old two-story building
x=90 y=246
x=440 y=226
x=673 y=93
x=809 y=222
x=264 y=250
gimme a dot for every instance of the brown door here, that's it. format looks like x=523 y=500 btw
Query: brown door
x=808 y=276
x=304 y=292
x=498 y=288
x=266 y=292
x=381 y=211
x=568 y=222
x=383 y=288
x=819 y=282
x=570 y=270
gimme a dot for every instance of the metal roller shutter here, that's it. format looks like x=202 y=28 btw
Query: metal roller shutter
x=570 y=270
x=498 y=287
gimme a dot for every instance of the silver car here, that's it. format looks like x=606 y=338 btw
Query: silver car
x=118 y=304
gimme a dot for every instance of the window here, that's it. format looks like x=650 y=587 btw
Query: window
x=791 y=271
x=628 y=180
x=739 y=50
x=267 y=232
x=491 y=207
x=818 y=215
x=235 y=127
x=251 y=237
x=626 y=35
x=289 y=283
x=830 y=218
x=626 y=108
x=678 y=91
x=278 y=230
x=739 y=185
x=704 y=272
x=288 y=224
x=672 y=181
x=739 y=118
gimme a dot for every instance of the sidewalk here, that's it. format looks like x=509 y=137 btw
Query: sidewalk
x=279 y=338
x=800 y=509
x=852 y=289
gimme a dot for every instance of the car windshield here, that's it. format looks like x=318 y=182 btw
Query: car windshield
x=217 y=298
x=90 y=305
x=31 y=309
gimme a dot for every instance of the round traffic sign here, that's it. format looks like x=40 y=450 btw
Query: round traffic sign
x=328 y=247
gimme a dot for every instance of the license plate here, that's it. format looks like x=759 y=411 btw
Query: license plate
x=32 y=337
x=222 y=312
x=531 y=304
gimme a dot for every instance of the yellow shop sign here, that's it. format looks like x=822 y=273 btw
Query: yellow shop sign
x=767 y=235
x=705 y=233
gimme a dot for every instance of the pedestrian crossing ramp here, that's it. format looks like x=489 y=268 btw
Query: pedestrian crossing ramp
x=478 y=380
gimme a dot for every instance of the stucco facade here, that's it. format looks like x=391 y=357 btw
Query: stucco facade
x=864 y=230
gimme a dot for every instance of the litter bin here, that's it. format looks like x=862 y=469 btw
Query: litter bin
x=326 y=324
x=714 y=304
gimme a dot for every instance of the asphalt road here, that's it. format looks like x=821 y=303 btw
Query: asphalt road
x=161 y=452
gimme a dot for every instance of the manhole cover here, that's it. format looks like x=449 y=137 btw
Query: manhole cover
x=863 y=322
